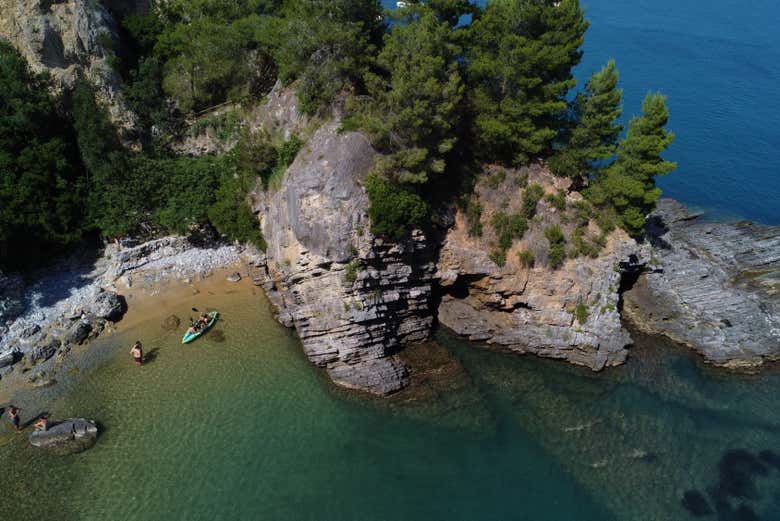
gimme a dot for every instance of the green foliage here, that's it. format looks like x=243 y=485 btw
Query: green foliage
x=144 y=94
x=594 y=137
x=531 y=197
x=351 y=271
x=582 y=246
x=393 y=208
x=495 y=180
x=413 y=109
x=628 y=185
x=474 y=216
x=225 y=125
x=323 y=44
x=581 y=313
x=210 y=49
x=557 y=242
x=289 y=150
x=507 y=228
x=498 y=256
x=526 y=259
x=42 y=187
x=519 y=68
x=557 y=200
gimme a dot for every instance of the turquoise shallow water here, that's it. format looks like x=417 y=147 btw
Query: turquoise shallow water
x=240 y=426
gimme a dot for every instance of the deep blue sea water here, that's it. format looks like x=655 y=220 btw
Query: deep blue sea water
x=719 y=64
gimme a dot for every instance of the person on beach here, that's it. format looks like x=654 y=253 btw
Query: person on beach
x=137 y=352
x=42 y=424
x=13 y=415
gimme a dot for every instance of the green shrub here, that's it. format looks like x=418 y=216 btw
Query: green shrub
x=351 y=271
x=526 y=259
x=498 y=256
x=474 y=216
x=289 y=150
x=557 y=242
x=521 y=180
x=393 y=208
x=508 y=227
x=495 y=180
x=581 y=312
x=531 y=197
x=557 y=200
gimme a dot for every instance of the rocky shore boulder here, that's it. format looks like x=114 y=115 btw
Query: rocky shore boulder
x=569 y=313
x=66 y=437
x=712 y=286
x=108 y=305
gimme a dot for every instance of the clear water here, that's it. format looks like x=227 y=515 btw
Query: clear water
x=240 y=426
x=719 y=64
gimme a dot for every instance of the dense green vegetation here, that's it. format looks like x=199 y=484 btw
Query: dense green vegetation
x=42 y=187
x=438 y=97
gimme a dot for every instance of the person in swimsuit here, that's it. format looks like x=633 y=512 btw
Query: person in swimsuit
x=13 y=415
x=42 y=424
x=137 y=352
x=204 y=320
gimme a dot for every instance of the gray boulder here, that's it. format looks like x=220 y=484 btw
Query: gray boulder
x=8 y=357
x=79 y=332
x=108 y=305
x=43 y=352
x=66 y=437
x=381 y=376
x=234 y=277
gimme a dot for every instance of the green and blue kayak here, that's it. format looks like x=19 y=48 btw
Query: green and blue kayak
x=189 y=337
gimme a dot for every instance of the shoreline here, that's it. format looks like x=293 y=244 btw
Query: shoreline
x=60 y=303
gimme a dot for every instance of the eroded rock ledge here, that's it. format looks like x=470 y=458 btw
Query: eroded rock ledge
x=533 y=309
x=714 y=287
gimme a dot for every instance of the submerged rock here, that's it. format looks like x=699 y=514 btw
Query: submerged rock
x=714 y=287
x=44 y=351
x=66 y=437
x=381 y=376
x=171 y=323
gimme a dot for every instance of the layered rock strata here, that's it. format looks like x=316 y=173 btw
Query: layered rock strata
x=533 y=309
x=714 y=287
x=353 y=298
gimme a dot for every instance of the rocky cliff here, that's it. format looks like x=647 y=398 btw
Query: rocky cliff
x=714 y=287
x=533 y=308
x=70 y=39
x=353 y=298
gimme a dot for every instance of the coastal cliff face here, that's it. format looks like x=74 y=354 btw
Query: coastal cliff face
x=353 y=298
x=714 y=287
x=70 y=39
x=532 y=309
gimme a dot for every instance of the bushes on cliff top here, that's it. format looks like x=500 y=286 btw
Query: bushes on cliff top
x=393 y=208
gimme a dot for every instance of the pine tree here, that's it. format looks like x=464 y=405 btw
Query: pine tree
x=520 y=69
x=416 y=97
x=594 y=136
x=629 y=183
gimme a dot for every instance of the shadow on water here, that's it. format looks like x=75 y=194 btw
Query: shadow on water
x=217 y=335
x=151 y=355
x=736 y=496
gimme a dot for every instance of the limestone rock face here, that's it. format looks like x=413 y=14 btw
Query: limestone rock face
x=66 y=437
x=353 y=298
x=69 y=39
x=533 y=309
x=712 y=286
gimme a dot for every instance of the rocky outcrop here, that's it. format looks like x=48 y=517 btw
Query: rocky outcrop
x=353 y=298
x=69 y=39
x=714 y=287
x=66 y=437
x=533 y=309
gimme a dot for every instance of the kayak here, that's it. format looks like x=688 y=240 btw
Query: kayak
x=189 y=337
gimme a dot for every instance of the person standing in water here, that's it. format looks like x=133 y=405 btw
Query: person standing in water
x=137 y=352
x=13 y=415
